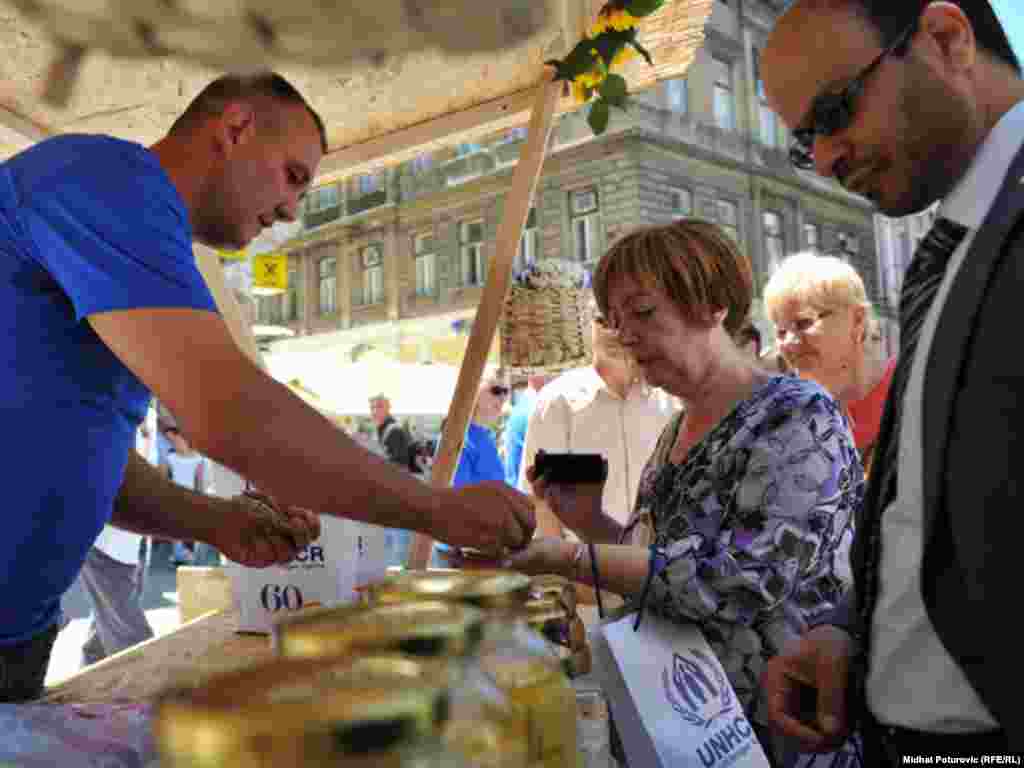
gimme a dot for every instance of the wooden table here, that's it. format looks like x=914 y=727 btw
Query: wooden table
x=206 y=645
x=197 y=649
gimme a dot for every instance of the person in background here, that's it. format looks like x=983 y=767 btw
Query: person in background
x=748 y=339
x=518 y=421
x=908 y=104
x=479 y=460
x=828 y=332
x=398 y=446
x=606 y=408
x=751 y=487
x=188 y=469
x=393 y=436
x=113 y=577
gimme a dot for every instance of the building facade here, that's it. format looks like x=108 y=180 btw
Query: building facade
x=396 y=260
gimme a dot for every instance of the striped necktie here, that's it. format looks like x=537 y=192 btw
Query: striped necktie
x=921 y=283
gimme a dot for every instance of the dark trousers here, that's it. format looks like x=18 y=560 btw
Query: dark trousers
x=885 y=746
x=23 y=667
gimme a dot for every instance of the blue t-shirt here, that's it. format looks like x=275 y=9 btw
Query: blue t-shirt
x=88 y=224
x=515 y=435
x=479 y=460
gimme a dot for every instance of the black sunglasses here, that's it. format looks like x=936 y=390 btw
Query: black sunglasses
x=831 y=113
x=499 y=391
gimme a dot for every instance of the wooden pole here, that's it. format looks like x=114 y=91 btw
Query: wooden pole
x=492 y=302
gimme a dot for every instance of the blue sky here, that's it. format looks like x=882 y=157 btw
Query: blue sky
x=1011 y=13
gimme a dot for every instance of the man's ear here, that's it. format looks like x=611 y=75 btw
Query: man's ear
x=236 y=125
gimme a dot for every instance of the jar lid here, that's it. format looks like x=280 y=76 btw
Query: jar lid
x=431 y=628
x=489 y=590
x=302 y=711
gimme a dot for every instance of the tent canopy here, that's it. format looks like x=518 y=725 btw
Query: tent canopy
x=345 y=389
x=389 y=86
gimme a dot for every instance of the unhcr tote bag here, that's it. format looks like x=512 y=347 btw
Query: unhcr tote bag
x=671 y=702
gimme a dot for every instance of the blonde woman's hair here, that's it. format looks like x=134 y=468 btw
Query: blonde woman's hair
x=823 y=282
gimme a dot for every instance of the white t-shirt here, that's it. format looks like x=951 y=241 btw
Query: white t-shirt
x=184 y=469
x=578 y=413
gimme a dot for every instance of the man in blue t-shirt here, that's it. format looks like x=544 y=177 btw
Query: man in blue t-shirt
x=515 y=427
x=104 y=306
x=479 y=460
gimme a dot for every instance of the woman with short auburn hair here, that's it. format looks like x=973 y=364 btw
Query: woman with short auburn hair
x=827 y=331
x=744 y=509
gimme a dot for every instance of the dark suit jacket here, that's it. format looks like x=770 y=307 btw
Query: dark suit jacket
x=973 y=441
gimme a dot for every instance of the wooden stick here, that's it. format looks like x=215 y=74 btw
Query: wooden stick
x=492 y=301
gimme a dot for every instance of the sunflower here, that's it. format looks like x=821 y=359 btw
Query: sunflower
x=617 y=19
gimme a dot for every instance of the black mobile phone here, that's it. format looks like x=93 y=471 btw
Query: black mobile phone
x=568 y=468
x=807 y=705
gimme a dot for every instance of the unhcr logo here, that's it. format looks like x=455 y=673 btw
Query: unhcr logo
x=697 y=688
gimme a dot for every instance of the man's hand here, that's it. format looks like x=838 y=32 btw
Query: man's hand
x=544 y=555
x=257 y=533
x=819 y=664
x=490 y=516
x=578 y=505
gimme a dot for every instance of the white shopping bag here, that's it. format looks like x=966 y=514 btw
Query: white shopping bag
x=324 y=572
x=671 y=702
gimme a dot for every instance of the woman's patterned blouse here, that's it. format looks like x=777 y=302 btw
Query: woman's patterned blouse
x=754 y=526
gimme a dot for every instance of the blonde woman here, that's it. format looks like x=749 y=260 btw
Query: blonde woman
x=827 y=331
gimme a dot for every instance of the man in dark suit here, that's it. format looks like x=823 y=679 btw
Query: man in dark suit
x=910 y=103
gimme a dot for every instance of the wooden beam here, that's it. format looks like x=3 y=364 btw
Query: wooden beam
x=404 y=144
x=492 y=301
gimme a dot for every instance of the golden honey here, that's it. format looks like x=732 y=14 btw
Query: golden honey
x=373 y=711
x=484 y=727
x=514 y=656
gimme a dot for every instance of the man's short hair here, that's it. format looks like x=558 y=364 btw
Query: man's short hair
x=890 y=19
x=212 y=100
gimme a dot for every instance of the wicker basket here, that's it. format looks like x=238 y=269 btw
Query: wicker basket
x=545 y=330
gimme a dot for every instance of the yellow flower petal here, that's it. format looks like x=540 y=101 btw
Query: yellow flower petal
x=624 y=55
x=579 y=91
x=621 y=20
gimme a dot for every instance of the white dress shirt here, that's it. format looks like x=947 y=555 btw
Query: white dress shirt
x=578 y=413
x=913 y=681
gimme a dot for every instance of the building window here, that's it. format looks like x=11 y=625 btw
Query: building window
x=322 y=198
x=426 y=264
x=269 y=310
x=471 y=252
x=774 y=240
x=371 y=260
x=681 y=201
x=812 y=237
x=293 y=297
x=328 y=277
x=725 y=104
x=727 y=214
x=768 y=122
x=584 y=217
x=849 y=245
x=528 y=243
x=368 y=183
x=677 y=95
